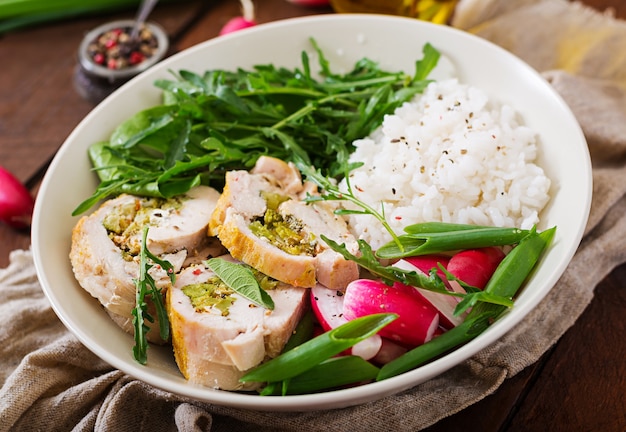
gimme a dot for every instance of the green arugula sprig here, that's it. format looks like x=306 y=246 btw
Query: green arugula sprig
x=331 y=192
x=225 y=120
x=145 y=287
x=389 y=274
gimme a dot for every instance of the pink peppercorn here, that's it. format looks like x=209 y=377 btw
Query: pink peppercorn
x=98 y=58
x=136 y=57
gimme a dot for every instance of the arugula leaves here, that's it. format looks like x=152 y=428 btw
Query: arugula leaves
x=145 y=286
x=222 y=120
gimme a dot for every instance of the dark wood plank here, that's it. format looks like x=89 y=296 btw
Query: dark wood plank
x=266 y=11
x=579 y=385
x=38 y=104
x=616 y=8
x=491 y=413
x=582 y=386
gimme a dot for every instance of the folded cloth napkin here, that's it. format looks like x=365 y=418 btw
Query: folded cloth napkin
x=51 y=382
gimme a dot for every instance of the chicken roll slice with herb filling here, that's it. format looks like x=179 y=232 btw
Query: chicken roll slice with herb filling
x=106 y=245
x=261 y=219
x=217 y=334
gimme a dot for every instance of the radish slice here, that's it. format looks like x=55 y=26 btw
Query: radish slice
x=444 y=303
x=475 y=266
x=327 y=306
x=417 y=319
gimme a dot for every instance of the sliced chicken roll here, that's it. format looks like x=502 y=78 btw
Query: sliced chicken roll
x=262 y=221
x=217 y=334
x=106 y=244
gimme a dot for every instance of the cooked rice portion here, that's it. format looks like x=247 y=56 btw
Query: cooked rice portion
x=451 y=155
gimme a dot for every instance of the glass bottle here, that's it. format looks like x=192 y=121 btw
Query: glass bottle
x=437 y=11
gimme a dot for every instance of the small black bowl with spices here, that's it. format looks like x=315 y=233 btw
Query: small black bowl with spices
x=108 y=57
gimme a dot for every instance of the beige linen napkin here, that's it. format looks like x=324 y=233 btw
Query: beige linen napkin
x=51 y=382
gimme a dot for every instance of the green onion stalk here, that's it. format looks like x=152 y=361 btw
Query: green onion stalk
x=16 y=14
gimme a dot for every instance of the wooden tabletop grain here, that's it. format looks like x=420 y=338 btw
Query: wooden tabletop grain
x=579 y=385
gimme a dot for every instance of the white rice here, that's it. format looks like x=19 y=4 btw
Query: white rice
x=451 y=155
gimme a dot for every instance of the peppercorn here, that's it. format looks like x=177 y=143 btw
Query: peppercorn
x=107 y=57
x=115 y=49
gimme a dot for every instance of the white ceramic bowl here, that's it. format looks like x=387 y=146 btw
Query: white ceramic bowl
x=396 y=43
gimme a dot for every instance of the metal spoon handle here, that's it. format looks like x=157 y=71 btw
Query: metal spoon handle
x=144 y=10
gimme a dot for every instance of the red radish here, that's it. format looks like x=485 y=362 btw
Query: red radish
x=417 y=319
x=444 y=303
x=241 y=22
x=327 y=306
x=16 y=203
x=475 y=266
x=427 y=262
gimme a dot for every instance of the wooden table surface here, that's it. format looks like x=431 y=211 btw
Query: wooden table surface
x=579 y=385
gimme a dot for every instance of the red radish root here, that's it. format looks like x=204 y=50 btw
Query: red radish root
x=16 y=202
x=244 y=21
x=475 y=266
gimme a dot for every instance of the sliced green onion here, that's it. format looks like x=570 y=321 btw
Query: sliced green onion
x=432 y=239
x=511 y=273
x=330 y=374
x=441 y=344
x=506 y=281
x=304 y=357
